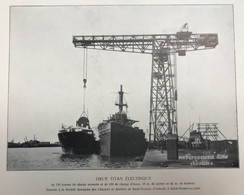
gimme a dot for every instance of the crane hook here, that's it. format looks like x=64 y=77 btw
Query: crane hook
x=84 y=81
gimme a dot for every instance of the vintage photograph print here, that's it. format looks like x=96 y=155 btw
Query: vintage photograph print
x=122 y=87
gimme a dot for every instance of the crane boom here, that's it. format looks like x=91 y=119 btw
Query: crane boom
x=181 y=41
x=163 y=98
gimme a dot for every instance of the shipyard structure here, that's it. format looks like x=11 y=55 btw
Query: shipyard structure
x=119 y=138
x=163 y=123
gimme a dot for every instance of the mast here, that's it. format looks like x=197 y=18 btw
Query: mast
x=121 y=100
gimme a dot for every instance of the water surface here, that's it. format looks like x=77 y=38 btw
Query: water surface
x=52 y=158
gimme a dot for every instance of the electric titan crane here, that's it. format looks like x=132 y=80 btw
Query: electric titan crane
x=163 y=97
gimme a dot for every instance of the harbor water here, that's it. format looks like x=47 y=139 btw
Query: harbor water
x=52 y=158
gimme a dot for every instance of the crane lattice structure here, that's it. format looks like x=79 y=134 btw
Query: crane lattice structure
x=163 y=97
x=210 y=131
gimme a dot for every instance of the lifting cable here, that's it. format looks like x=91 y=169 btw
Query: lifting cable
x=85 y=67
x=84 y=77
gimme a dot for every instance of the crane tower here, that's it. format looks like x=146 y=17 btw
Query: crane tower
x=163 y=97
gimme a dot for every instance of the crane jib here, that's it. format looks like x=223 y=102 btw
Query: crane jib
x=181 y=41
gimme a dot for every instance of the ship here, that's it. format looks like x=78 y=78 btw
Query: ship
x=79 y=140
x=32 y=144
x=118 y=138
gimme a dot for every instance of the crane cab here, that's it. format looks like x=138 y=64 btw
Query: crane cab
x=183 y=35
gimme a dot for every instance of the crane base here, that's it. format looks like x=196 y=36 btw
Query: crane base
x=172 y=147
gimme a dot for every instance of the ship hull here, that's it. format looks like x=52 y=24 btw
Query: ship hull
x=78 y=143
x=118 y=140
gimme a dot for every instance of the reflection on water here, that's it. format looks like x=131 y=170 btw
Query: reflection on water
x=53 y=159
x=99 y=162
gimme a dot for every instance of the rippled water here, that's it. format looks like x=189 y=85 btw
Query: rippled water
x=53 y=158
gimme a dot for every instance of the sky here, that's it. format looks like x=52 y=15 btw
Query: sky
x=46 y=70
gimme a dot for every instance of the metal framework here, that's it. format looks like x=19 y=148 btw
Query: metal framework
x=210 y=131
x=163 y=98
